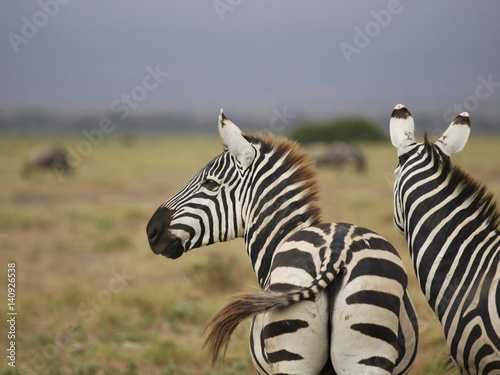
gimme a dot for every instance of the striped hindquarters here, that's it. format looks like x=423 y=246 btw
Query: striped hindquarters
x=373 y=320
x=375 y=303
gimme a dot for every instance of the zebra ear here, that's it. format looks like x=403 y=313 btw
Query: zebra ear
x=237 y=145
x=402 y=129
x=455 y=137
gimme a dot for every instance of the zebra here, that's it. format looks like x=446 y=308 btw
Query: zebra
x=333 y=297
x=451 y=225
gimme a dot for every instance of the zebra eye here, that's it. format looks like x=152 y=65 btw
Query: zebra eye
x=210 y=185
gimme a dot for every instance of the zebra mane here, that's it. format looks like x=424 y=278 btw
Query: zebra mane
x=482 y=199
x=305 y=169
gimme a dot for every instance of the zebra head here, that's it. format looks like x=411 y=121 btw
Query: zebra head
x=411 y=153
x=208 y=208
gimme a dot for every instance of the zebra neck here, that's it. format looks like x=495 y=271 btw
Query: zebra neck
x=269 y=227
x=443 y=253
x=281 y=197
x=447 y=235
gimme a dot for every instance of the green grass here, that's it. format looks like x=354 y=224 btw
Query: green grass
x=93 y=299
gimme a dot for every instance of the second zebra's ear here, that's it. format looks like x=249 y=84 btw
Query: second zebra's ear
x=402 y=129
x=455 y=137
x=237 y=145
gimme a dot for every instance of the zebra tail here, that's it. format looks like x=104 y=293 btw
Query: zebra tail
x=222 y=325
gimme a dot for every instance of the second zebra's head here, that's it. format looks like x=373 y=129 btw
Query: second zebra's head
x=205 y=210
x=418 y=161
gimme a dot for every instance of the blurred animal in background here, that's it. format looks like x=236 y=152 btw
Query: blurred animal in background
x=338 y=155
x=48 y=158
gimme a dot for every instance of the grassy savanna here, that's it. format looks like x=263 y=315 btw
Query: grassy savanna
x=93 y=299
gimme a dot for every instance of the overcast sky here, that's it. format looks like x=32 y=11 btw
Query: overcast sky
x=319 y=58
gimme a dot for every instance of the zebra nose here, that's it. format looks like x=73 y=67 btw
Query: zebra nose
x=152 y=232
x=157 y=229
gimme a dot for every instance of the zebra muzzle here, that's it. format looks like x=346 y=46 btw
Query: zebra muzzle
x=159 y=237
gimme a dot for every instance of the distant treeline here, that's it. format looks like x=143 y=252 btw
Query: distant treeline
x=37 y=122
x=345 y=129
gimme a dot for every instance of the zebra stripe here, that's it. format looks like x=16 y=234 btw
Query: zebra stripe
x=451 y=225
x=333 y=296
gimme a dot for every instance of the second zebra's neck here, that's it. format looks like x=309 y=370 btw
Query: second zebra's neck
x=450 y=222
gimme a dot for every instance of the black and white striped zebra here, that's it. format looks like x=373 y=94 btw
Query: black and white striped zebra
x=451 y=225
x=333 y=297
